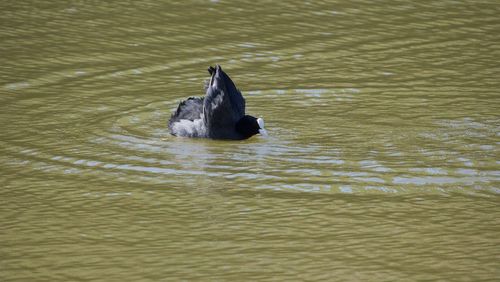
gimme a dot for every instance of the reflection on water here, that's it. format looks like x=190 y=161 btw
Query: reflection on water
x=381 y=164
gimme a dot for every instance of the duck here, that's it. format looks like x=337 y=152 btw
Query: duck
x=220 y=114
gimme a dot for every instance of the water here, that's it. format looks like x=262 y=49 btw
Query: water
x=382 y=161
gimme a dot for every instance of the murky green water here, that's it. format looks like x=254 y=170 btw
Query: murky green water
x=382 y=161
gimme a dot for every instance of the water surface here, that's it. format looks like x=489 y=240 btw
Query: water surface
x=382 y=161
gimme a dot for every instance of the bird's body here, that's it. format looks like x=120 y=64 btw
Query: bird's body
x=218 y=115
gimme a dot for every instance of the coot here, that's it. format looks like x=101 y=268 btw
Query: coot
x=218 y=115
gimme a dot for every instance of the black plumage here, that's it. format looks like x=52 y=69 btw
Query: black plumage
x=218 y=115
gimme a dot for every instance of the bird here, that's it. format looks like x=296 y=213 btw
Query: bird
x=220 y=114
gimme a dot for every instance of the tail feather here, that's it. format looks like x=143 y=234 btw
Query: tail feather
x=190 y=109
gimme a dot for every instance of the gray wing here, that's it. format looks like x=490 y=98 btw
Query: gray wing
x=237 y=100
x=219 y=114
x=224 y=105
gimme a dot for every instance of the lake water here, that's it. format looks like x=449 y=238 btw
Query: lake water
x=382 y=162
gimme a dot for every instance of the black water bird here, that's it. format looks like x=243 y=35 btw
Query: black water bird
x=218 y=115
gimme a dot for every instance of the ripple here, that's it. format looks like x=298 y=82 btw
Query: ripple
x=369 y=102
x=135 y=142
